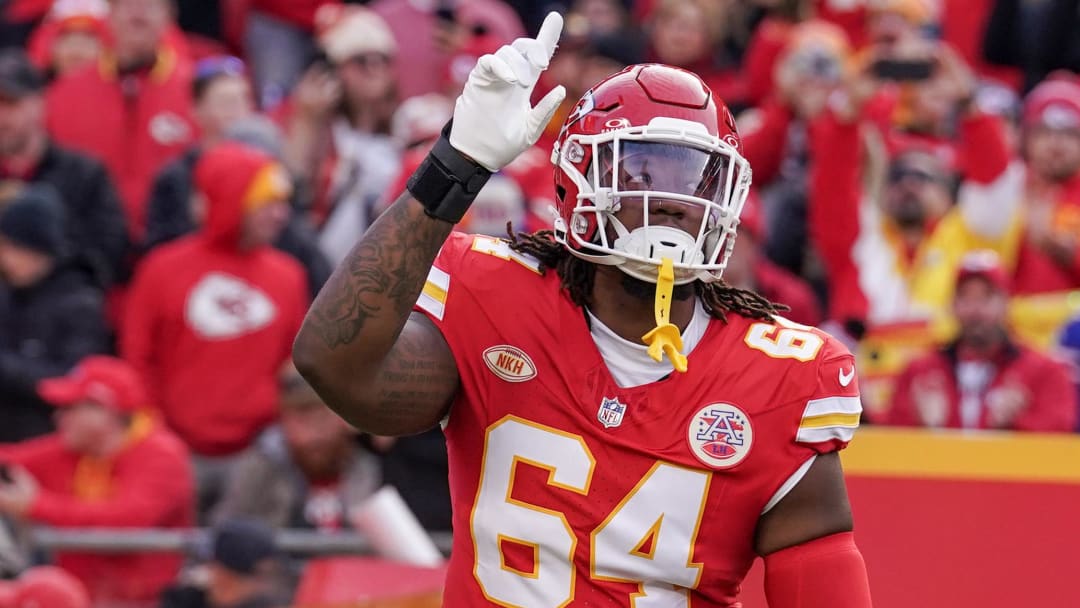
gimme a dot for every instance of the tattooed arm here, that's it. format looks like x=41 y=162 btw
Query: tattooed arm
x=380 y=367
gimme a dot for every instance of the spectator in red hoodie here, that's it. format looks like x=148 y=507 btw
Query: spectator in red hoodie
x=984 y=380
x=133 y=109
x=212 y=315
x=109 y=465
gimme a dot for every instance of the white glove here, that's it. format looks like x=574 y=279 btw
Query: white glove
x=494 y=120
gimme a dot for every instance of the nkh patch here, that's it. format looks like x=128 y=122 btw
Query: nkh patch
x=720 y=435
x=611 y=412
x=510 y=363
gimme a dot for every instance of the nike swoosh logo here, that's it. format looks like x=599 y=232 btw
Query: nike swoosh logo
x=845 y=379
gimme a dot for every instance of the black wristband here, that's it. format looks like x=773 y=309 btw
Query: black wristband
x=447 y=182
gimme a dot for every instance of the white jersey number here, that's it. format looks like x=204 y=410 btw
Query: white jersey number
x=647 y=539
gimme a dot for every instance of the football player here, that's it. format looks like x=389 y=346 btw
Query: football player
x=623 y=428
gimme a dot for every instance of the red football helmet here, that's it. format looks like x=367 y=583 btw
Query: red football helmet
x=669 y=141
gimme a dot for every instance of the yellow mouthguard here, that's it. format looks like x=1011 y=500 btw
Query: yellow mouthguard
x=665 y=337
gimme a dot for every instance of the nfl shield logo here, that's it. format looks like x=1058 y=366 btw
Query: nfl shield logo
x=611 y=412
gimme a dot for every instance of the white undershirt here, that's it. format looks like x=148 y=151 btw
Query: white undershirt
x=629 y=362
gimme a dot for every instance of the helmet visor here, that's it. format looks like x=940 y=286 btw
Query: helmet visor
x=633 y=168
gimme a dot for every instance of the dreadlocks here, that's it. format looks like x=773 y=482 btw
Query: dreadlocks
x=577 y=278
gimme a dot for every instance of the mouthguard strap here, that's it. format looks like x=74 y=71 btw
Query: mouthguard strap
x=665 y=338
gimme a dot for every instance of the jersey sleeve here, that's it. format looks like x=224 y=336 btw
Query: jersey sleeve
x=468 y=275
x=832 y=413
x=435 y=298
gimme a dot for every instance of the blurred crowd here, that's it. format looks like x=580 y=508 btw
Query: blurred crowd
x=178 y=178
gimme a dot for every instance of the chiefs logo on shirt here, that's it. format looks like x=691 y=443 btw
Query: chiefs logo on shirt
x=169 y=129
x=222 y=306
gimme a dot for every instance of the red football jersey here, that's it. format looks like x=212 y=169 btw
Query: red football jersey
x=571 y=491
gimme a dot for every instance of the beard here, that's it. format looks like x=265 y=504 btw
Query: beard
x=1062 y=171
x=909 y=212
x=13 y=143
x=645 y=291
x=982 y=335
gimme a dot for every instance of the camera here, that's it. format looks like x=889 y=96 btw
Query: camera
x=903 y=71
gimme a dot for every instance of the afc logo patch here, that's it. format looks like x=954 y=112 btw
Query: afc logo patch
x=720 y=435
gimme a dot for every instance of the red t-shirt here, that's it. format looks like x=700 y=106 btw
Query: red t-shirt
x=568 y=490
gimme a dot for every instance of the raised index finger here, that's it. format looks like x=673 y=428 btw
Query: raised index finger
x=549 y=32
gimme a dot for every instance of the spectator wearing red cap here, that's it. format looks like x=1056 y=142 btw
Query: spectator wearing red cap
x=1049 y=258
x=44 y=587
x=212 y=315
x=109 y=465
x=133 y=109
x=984 y=379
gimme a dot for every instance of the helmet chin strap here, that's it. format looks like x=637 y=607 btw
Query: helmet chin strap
x=665 y=338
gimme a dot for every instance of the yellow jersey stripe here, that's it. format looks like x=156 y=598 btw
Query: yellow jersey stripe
x=826 y=420
x=434 y=292
x=832 y=405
